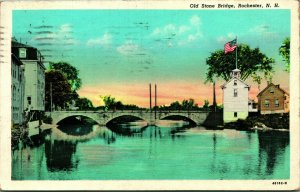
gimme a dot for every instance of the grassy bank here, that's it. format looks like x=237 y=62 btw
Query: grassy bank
x=274 y=121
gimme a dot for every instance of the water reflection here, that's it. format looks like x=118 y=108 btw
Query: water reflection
x=59 y=155
x=271 y=146
x=171 y=150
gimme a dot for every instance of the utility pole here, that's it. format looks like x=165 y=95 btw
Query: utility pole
x=214 y=101
x=150 y=98
x=155 y=107
x=50 y=98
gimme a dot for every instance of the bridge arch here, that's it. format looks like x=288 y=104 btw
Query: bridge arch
x=111 y=119
x=179 y=117
x=62 y=117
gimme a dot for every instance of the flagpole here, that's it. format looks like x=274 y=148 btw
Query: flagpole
x=236 y=53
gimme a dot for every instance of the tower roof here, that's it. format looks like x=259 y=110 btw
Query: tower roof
x=236 y=70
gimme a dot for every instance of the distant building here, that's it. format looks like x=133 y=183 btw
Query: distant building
x=273 y=99
x=34 y=72
x=17 y=89
x=235 y=98
x=252 y=106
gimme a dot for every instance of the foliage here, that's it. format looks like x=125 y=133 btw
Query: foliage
x=70 y=72
x=61 y=89
x=110 y=103
x=47 y=120
x=184 y=105
x=206 y=104
x=84 y=104
x=250 y=61
x=274 y=121
x=284 y=51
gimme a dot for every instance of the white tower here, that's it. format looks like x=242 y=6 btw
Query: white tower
x=235 y=98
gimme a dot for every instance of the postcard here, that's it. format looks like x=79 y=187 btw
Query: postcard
x=149 y=95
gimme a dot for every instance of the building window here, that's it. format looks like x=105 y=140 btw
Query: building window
x=267 y=103
x=29 y=100
x=235 y=93
x=14 y=92
x=271 y=90
x=276 y=103
x=22 y=52
x=235 y=114
x=235 y=82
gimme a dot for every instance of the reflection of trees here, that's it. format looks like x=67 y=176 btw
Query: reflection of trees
x=59 y=155
x=271 y=145
x=76 y=130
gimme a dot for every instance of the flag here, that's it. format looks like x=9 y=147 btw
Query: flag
x=230 y=46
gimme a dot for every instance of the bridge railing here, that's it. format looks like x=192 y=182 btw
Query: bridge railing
x=134 y=111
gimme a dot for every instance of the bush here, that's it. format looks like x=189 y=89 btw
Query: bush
x=47 y=119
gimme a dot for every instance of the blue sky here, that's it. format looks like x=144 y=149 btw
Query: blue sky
x=118 y=52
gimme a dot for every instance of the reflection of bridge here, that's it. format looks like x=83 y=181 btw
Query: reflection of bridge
x=103 y=117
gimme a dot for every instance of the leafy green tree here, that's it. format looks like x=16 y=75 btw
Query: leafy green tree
x=284 y=51
x=84 y=104
x=175 y=105
x=206 y=104
x=109 y=101
x=189 y=104
x=70 y=72
x=57 y=84
x=250 y=61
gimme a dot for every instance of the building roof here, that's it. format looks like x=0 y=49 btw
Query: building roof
x=14 y=57
x=276 y=86
x=224 y=85
x=15 y=43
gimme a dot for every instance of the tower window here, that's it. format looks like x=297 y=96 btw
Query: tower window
x=235 y=92
x=235 y=82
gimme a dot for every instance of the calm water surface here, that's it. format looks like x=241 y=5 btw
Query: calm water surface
x=169 y=151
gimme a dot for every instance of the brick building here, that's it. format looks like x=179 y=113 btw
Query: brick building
x=273 y=99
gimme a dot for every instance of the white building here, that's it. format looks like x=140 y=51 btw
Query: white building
x=235 y=98
x=34 y=72
x=17 y=89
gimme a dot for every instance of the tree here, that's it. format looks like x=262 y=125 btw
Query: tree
x=175 y=105
x=206 y=104
x=189 y=104
x=284 y=51
x=70 y=72
x=250 y=62
x=109 y=102
x=84 y=104
x=60 y=89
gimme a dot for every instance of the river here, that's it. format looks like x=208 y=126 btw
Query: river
x=171 y=150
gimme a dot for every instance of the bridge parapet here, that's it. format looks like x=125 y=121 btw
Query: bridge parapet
x=103 y=117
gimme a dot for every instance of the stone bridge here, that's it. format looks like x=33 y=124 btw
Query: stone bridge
x=103 y=117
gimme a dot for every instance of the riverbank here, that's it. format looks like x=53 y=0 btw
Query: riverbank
x=279 y=122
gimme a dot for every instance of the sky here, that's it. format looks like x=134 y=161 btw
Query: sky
x=119 y=52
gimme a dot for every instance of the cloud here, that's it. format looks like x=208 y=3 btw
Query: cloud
x=260 y=28
x=226 y=38
x=104 y=40
x=166 y=30
x=180 y=34
x=195 y=20
x=263 y=30
x=65 y=28
x=128 y=48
